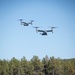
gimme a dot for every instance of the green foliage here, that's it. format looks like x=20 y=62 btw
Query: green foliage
x=46 y=66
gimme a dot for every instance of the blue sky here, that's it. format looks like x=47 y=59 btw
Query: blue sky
x=18 y=41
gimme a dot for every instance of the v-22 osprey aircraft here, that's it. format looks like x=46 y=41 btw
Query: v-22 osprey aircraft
x=25 y=23
x=44 y=32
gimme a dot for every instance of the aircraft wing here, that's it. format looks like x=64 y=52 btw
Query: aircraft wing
x=41 y=31
x=48 y=30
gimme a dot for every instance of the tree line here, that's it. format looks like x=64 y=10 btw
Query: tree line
x=35 y=66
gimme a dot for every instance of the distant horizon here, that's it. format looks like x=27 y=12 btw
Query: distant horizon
x=33 y=56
